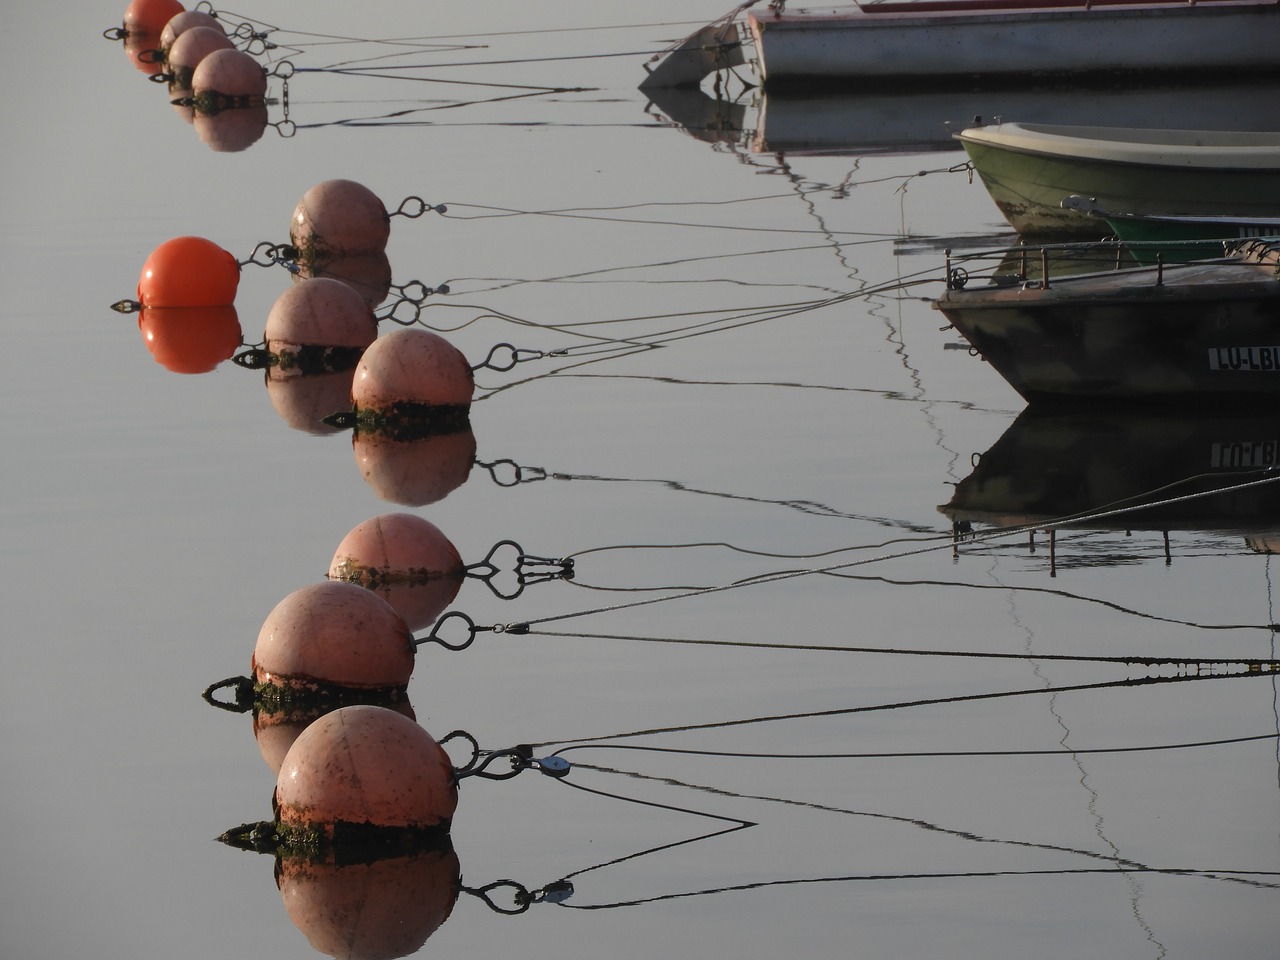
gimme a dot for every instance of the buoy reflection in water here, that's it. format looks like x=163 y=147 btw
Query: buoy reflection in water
x=378 y=910
x=190 y=339
x=414 y=473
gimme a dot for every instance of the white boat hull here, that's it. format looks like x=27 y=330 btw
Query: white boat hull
x=1219 y=36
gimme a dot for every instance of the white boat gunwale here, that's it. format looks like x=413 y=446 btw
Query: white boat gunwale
x=1133 y=146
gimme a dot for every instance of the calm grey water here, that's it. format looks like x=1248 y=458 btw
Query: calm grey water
x=890 y=799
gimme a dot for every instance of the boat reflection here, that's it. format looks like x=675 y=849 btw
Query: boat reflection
x=903 y=121
x=1124 y=471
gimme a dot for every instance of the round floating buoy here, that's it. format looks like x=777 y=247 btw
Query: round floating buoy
x=368 y=274
x=414 y=473
x=366 y=766
x=188 y=272
x=226 y=79
x=335 y=634
x=318 y=326
x=339 y=218
x=187 y=51
x=190 y=339
x=276 y=731
x=182 y=22
x=150 y=16
x=144 y=21
x=370 y=911
x=412 y=366
x=404 y=559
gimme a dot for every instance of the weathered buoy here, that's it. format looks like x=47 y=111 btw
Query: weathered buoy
x=369 y=274
x=180 y=23
x=339 y=218
x=186 y=52
x=144 y=21
x=404 y=559
x=370 y=911
x=275 y=731
x=190 y=339
x=318 y=326
x=365 y=767
x=188 y=272
x=226 y=79
x=333 y=634
x=411 y=384
x=414 y=473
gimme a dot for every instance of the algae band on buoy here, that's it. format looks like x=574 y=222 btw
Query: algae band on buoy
x=330 y=637
x=410 y=384
x=366 y=772
x=404 y=559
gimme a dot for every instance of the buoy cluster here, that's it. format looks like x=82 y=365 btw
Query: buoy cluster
x=215 y=85
x=364 y=796
x=406 y=394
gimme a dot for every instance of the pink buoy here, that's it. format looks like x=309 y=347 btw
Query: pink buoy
x=276 y=731
x=318 y=314
x=404 y=559
x=186 y=53
x=338 y=218
x=369 y=766
x=188 y=272
x=333 y=633
x=414 y=473
x=370 y=911
x=184 y=21
x=228 y=78
x=413 y=366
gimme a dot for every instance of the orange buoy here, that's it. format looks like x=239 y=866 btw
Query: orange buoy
x=414 y=473
x=366 y=766
x=404 y=559
x=339 y=218
x=190 y=339
x=275 y=731
x=318 y=326
x=144 y=21
x=150 y=16
x=226 y=79
x=333 y=634
x=412 y=366
x=188 y=272
x=182 y=22
x=186 y=51
x=370 y=911
x=368 y=274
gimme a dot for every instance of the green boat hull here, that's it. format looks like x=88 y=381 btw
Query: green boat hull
x=1029 y=189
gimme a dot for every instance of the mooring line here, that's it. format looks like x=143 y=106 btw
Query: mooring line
x=1073 y=519
x=913 y=754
